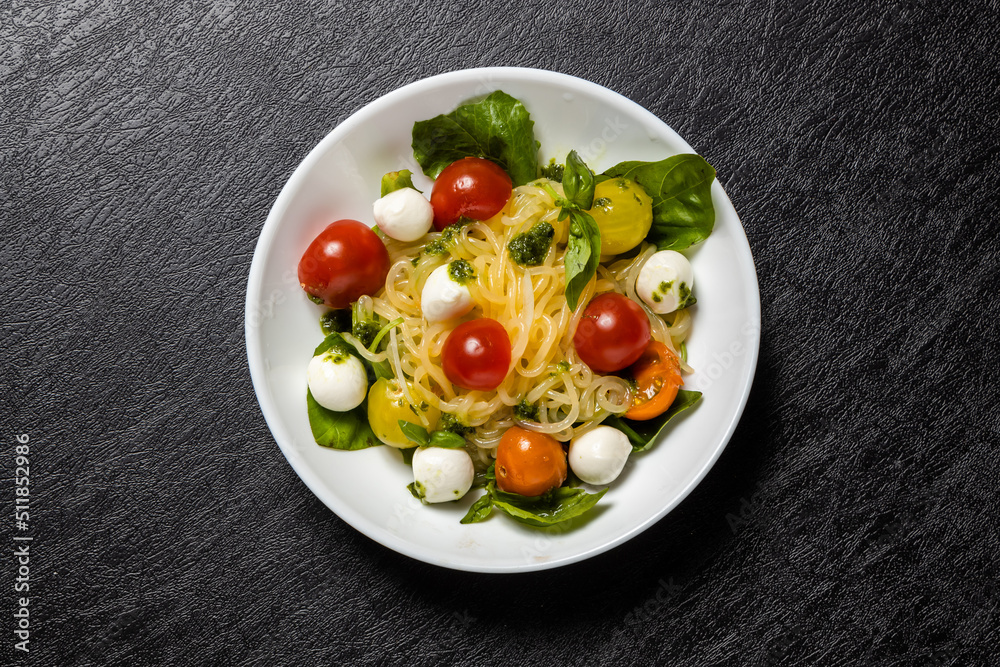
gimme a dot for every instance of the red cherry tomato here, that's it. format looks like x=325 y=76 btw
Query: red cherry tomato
x=347 y=260
x=529 y=463
x=471 y=187
x=612 y=334
x=476 y=354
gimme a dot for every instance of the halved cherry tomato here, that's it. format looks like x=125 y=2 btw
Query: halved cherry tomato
x=476 y=354
x=612 y=333
x=472 y=188
x=657 y=376
x=347 y=260
x=529 y=463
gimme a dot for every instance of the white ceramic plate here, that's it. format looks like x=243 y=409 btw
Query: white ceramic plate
x=340 y=178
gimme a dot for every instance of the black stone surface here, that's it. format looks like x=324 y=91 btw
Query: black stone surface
x=851 y=520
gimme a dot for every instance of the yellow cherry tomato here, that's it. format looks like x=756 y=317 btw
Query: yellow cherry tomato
x=623 y=212
x=387 y=405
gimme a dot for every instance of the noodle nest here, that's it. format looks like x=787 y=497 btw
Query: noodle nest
x=530 y=303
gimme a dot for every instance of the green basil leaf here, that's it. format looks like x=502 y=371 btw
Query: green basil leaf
x=479 y=481
x=397 y=180
x=497 y=128
x=550 y=508
x=623 y=425
x=582 y=254
x=578 y=182
x=335 y=341
x=407 y=455
x=417 y=434
x=572 y=479
x=381 y=369
x=340 y=430
x=446 y=439
x=681 y=189
x=483 y=478
x=480 y=510
x=642 y=433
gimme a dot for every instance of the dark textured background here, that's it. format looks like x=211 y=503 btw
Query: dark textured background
x=851 y=520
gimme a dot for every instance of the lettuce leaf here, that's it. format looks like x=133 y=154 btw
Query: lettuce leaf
x=497 y=128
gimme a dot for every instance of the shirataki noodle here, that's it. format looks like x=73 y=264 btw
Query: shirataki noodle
x=531 y=305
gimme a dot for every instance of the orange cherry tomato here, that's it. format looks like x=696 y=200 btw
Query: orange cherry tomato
x=657 y=376
x=529 y=463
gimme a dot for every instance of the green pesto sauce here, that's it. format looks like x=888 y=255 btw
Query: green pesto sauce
x=461 y=271
x=450 y=422
x=336 y=356
x=561 y=367
x=601 y=202
x=553 y=171
x=436 y=247
x=686 y=298
x=446 y=241
x=365 y=331
x=666 y=285
x=314 y=298
x=335 y=321
x=529 y=248
x=526 y=411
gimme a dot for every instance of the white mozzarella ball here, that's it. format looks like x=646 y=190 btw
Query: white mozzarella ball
x=337 y=380
x=442 y=474
x=404 y=214
x=665 y=282
x=442 y=298
x=598 y=456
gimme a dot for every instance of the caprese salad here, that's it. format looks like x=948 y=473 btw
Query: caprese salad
x=521 y=329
